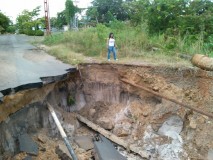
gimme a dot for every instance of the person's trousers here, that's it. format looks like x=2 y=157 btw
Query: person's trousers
x=113 y=50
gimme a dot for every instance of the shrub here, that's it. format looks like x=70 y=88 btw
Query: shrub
x=39 y=33
x=54 y=39
x=29 y=32
x=11 y=29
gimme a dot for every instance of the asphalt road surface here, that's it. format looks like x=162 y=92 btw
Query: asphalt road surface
x=23 y=64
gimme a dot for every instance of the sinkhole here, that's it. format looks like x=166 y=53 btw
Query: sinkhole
x=143 y=106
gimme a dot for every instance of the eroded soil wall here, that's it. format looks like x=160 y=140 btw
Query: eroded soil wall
x=139 y=116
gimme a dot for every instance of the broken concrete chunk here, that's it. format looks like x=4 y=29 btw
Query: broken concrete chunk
x=84 y=142
x=128 y=113
x=41 y=139
x=121 y=132
x=155 y=88
x=92 y=112
x=123 y=129
x=171 y=127
x=192 y=123
x=106 y=123
x=62 y=152
x=26 y=144
x=145 y=113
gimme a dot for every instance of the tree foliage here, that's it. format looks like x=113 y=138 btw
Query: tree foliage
x=93 y=14
x=70 y=11
x=28 y=20
x=161 y=16
x=4 y=23
x=59 y=21
x=104 y=11
x=180 y=16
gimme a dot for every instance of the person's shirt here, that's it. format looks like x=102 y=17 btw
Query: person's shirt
x=111 y=42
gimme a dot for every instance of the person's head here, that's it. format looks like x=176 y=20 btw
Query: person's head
x=111 y=35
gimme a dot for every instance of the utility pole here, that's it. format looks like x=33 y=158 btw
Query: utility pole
x=47 y=18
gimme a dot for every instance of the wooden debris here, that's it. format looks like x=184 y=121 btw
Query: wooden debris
x=114 y=138
x=210 y=115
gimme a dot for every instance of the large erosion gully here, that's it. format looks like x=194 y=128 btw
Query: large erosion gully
x=116 y=74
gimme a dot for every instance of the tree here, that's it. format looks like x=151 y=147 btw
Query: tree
x=28 y=20
x=173 y=17
x=60 y=20
x=4 y=23
x=106 y=9
x=199 y=18
x=70 y=11
x=53 y=22
x=11 y=29
x=22 y=19
x=92 y=14
x=35 y=12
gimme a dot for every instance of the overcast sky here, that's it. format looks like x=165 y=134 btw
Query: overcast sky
x=12 y=8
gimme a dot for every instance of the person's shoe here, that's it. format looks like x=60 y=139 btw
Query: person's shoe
x=116 y=59
x=108 y=59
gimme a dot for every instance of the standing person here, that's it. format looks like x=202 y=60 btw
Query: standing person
x=111 y=46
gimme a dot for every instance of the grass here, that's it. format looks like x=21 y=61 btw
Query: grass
x=63 y=53
x=134 y=44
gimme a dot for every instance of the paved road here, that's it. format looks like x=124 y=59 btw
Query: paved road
x=22 y=63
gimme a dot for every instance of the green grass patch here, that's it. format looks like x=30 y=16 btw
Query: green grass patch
x=132 y=42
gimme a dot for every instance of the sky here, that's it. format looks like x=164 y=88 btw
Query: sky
x=12 y=8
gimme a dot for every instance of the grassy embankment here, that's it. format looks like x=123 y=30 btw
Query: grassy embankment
x=134 y=45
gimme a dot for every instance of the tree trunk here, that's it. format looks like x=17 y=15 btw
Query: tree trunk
x=202 y=62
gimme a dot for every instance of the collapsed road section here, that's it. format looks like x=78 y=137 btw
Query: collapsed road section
x=140 y=116
x=23 y=66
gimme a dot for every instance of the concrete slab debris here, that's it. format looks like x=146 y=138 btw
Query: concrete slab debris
x=105 y=150
x=84 y=142
x=26 y=144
